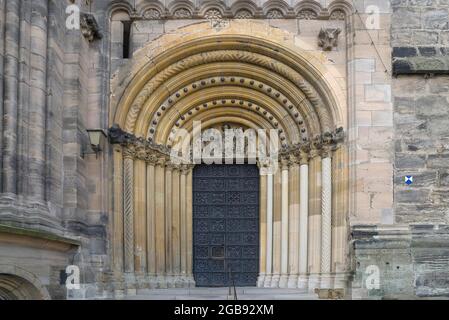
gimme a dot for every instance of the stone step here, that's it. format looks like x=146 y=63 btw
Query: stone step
x=223 y=294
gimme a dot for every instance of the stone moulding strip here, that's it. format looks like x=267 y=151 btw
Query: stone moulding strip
x=37 y=238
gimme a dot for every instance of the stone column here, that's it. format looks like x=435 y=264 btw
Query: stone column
x=293 y=222
x=128 y=213
x=189 y=227
x=128 y=210
x=183 y=221
x=176 y=232
x=2 y=51
x=117 y=221
x=339 y=215
x=151 y=223
x=159 y=196
x=269 y=247
x=277 y=229
x=326 y=219
x=284 y=225
x=10 y=81
x=263 y=230
x=303 y=221
x=140 y=220
x=38 y=99
x=168 y=225
x=314 y=245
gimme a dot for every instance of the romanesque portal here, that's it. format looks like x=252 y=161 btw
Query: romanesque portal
x=222 y=76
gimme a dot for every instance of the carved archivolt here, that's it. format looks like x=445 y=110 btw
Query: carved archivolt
x=224 y=56
x=278 y=88
x=223 y=82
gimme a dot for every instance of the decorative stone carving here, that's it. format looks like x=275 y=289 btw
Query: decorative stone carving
x=216 y=19
x=224 y=56
x=213 y=14
x=275 y=14
x=243 y=14
x=337 y=15
x=152 y=14
x=328 y=38
x=89 y=27
x=182 y=13
x=137 y=147
x=307 y=15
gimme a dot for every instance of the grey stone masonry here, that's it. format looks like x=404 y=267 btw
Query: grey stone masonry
x=420 y=36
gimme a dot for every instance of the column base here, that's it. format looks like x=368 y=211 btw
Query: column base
x=303 y=281
x=171 y=281
x=292 y=281
x=130 y=284
x=283 y=281
x=178 y=281
x=267 y=281
x=260 y=281
x=190 y=281
x=141 y=282
x=326 y=281
x=152 y=281
x=161 y=282
x=275 y=281
x=314 y=282
x=341 y=281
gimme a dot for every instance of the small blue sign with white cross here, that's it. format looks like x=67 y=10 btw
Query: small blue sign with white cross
x=408 y=180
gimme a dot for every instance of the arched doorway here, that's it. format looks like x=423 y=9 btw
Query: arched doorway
x=18 y=284
x=229 y=76
x=225 y=225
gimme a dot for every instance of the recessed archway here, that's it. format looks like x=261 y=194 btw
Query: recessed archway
x=219 y=76
x=19 y=284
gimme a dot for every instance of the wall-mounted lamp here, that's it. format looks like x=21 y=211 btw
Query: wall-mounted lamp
x=97 y=138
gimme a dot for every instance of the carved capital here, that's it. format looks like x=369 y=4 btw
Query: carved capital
x=303 y=158
x=129 y=152
x=186 y=168
x=285 y=162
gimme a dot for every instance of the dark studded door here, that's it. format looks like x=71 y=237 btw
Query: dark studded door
x=225 y=225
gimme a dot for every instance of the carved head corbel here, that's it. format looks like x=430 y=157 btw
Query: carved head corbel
x=328 y=38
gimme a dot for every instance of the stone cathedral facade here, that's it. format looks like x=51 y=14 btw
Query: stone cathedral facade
x=93 y=94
